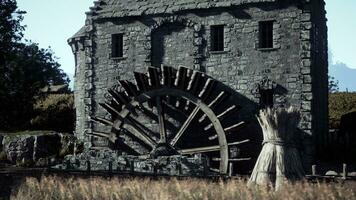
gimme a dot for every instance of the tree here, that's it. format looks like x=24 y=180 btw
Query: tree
x=10 y=27
x=24 y=70
x=333 y=84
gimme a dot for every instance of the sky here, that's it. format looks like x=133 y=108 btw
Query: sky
x=52 y=22
x=341 y=16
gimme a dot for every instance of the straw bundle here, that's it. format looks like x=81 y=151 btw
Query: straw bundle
x=279 y=160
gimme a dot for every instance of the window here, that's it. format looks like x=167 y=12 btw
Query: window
x=217 y=38
x=266 y=98
x=117 y=45
x=266 y=34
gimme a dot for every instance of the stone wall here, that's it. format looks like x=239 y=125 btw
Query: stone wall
x=290 y=65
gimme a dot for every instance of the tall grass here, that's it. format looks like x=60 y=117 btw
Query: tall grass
x=127 y=189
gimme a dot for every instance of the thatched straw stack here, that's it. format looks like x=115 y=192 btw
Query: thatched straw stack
x=279 y=160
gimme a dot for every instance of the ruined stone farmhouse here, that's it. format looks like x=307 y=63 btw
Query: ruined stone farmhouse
x=271 y=52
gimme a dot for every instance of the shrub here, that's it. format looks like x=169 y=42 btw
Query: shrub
x=54 y=112
x=340 y=104
x=3 y=157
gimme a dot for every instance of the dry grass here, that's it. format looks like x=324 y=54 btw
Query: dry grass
x=126 y=189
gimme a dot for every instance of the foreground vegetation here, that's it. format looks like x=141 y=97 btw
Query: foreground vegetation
x=99 y=188
x=340 y=103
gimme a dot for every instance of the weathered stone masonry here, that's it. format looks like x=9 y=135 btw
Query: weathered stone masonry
x=178 y=33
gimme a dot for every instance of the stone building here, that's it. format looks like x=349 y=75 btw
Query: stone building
x=273 y=52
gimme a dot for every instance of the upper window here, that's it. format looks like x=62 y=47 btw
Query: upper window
x=266 y=34
x=217 y=38
x=117 y=46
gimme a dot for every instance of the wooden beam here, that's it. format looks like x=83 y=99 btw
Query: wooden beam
x=194 y=80
x=141 y=81
x=153 y=77
x=196 y=83
x=161 y=121
x=154 y=117
x=187 y=105
x=123 y=99
x=216 y=100
x=226 y=112
x=181 y=77
x=102 y=121
x=111 y=136
x=235 y=127
x=208 y=149
x=137 y=133
x=208 y=86
x=227 y=130
x=129 y=87
x=209 y=126
x=185 y=126
x=140 y=126
x=110 y=109
x=168 y=76
x=215 y=170
x=213 y=104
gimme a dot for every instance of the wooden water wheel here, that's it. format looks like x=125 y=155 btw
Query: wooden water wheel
x=170 y=111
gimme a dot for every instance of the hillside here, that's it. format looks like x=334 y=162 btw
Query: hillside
x=345 y=75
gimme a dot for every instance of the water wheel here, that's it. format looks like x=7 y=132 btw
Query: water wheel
x=170 y=111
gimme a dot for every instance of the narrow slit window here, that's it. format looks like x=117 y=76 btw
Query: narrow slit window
x=266 y=34
x=117 y=46
x=217 y=38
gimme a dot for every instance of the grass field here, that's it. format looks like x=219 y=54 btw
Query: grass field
x=190 y=189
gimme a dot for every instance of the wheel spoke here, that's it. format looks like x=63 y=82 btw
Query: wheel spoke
x=111 y=136
x=129 y=87
x=213 y=103
x=229 y=129
x=208 y=149
x=141 y=127
x=154 y=117
x=185 y=126
x=102 y=121
x=134 y=130
x=235 y=126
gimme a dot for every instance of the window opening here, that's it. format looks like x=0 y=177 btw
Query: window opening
x=266 y=34
x=117 y=46
x=217 y=38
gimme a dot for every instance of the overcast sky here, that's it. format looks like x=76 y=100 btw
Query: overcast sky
x=52 y=22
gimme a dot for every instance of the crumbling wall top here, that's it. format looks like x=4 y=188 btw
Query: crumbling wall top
x=126 y=8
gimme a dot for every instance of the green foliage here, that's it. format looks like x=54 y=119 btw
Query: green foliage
x=24 y=70
x=340 y=104
x=10 y=27
x=54 y=112
x=3 y=157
